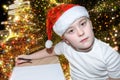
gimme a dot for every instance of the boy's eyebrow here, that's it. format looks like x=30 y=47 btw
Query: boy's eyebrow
x=79 y=20
x=83 y=19
x=68 y=28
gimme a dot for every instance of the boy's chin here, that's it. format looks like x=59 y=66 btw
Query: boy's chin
x=85 y=49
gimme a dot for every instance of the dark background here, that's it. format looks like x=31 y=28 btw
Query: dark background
x=3 y=13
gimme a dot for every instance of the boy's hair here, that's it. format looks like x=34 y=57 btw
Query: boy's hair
x=59 y=18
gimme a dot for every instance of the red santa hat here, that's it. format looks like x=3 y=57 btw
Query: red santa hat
x=59 y=18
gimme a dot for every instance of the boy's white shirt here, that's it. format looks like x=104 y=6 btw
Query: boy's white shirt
x=98 y=64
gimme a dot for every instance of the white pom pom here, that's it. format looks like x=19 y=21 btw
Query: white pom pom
x=48 y=44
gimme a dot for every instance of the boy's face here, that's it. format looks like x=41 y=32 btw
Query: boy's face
x=80 y=34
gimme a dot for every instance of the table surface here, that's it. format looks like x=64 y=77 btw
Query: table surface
x=30 y=71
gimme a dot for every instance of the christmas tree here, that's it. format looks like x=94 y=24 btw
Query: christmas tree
x=22 y=35
x=25 y=29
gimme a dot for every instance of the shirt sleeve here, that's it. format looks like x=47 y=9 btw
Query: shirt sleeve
x=59 y=48
x=113 y=63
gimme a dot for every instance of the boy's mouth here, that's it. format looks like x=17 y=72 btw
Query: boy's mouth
x=84 y=40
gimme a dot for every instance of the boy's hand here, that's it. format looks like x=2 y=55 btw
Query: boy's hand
x=22 y=59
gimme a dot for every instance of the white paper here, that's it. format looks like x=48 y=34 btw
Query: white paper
x=39 y=72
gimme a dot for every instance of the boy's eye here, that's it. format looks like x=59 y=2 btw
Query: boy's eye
x=83 y=23
x=70 y=31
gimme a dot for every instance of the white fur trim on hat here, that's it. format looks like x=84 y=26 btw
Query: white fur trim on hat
x=68 y=17
x=48 y=44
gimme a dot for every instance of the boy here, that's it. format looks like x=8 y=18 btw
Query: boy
x=89 y=58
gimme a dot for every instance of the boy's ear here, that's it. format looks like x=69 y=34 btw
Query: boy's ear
x=65 y=40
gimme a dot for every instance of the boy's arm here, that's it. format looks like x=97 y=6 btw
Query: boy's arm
x=113 y=79
x=42 y=53
x=37 y=55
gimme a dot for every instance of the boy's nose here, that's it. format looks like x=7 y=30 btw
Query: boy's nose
x=80 y=32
